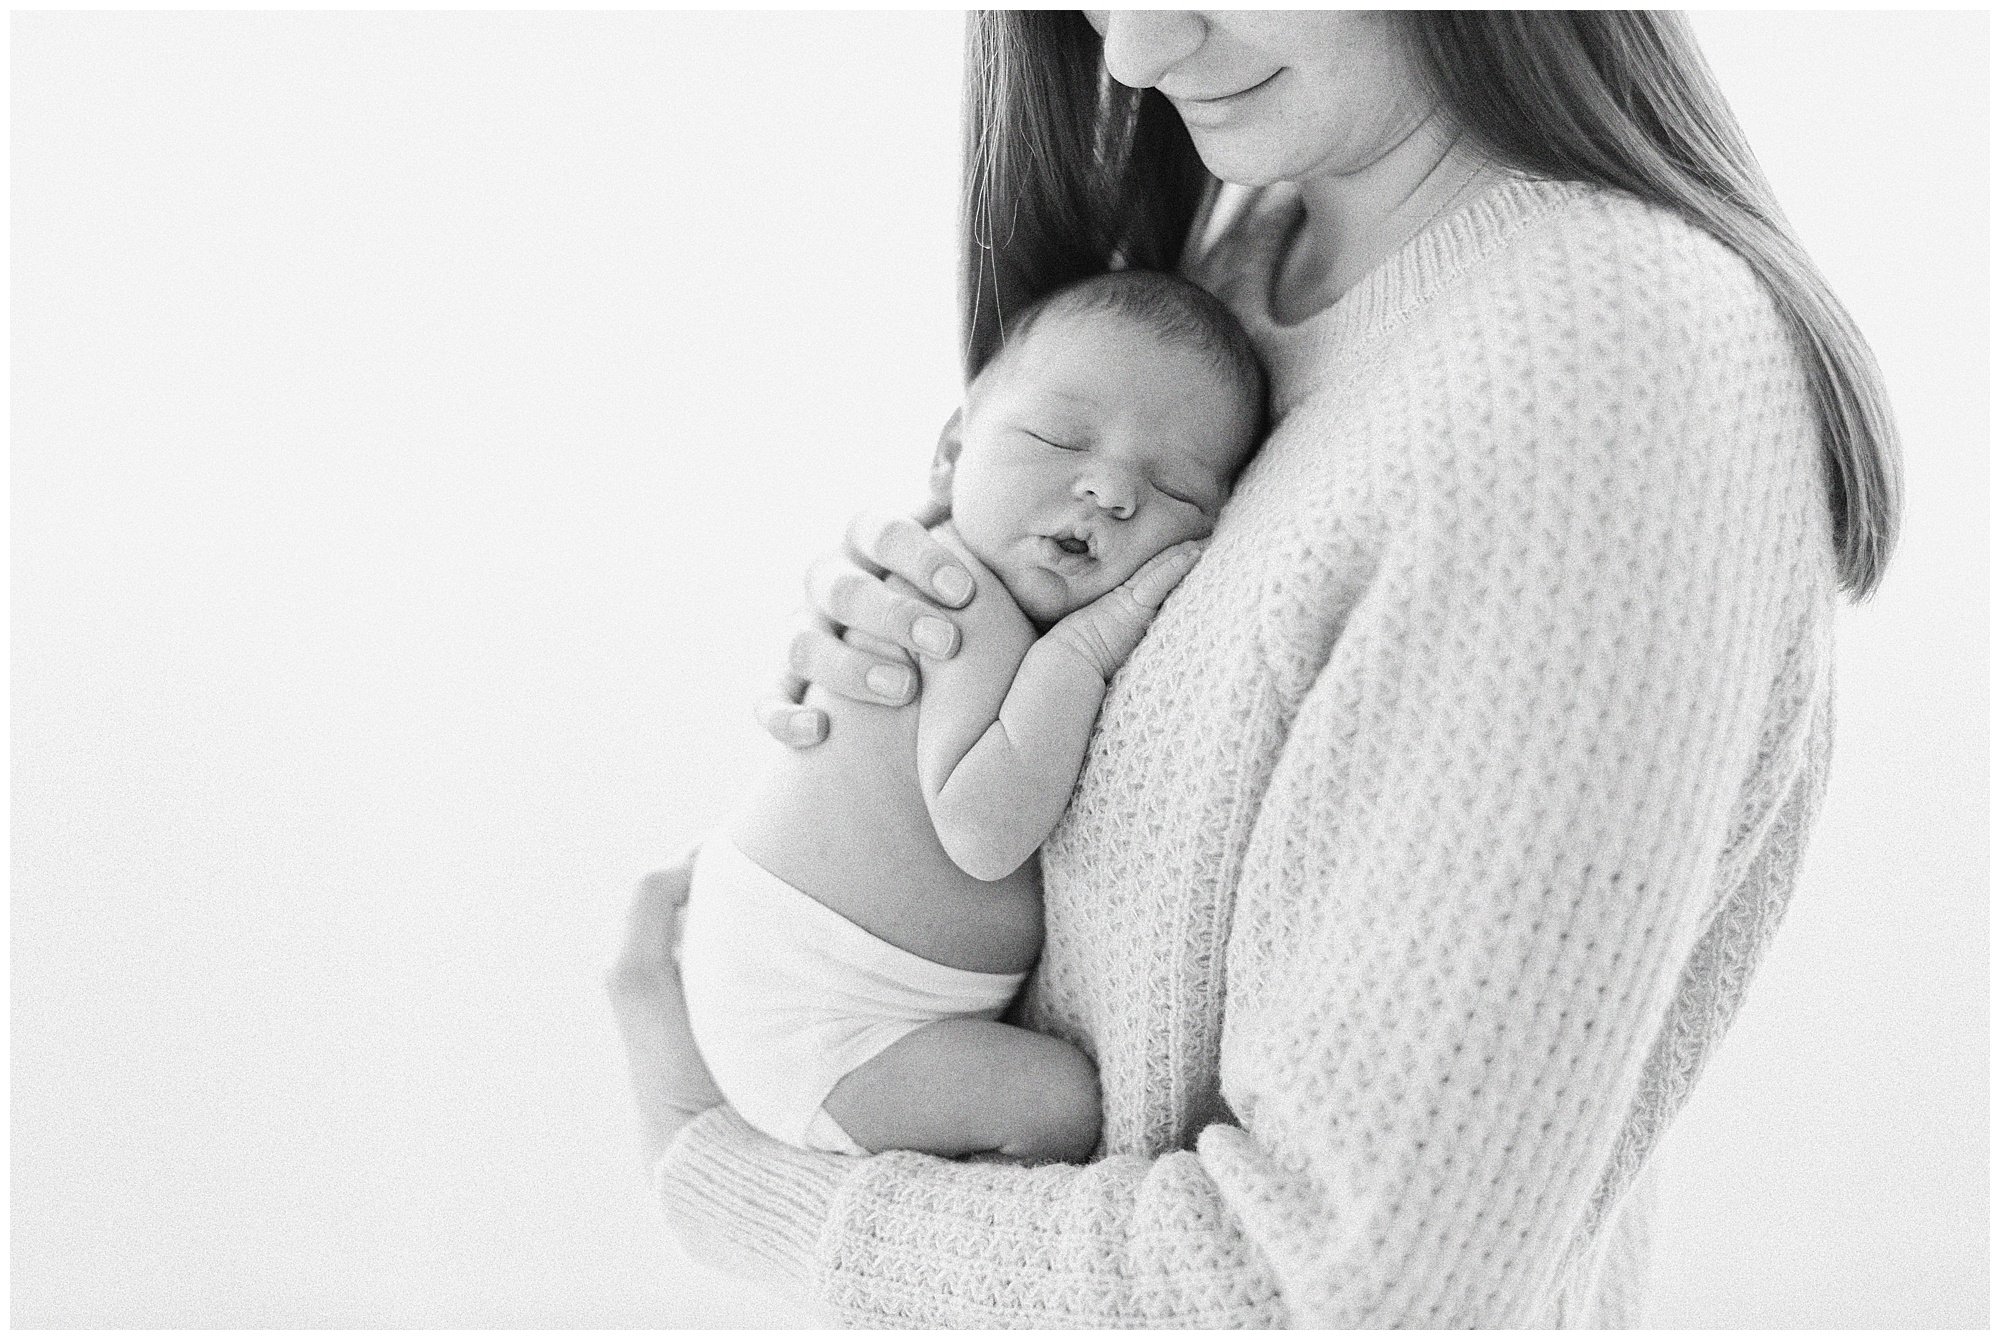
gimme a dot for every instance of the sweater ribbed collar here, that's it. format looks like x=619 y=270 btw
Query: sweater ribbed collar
x=1242 y=265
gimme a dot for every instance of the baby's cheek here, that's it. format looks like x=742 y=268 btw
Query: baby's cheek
x=1184 y=524
x=1109 y=578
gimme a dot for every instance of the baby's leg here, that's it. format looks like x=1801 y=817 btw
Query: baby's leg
x=972 y=1086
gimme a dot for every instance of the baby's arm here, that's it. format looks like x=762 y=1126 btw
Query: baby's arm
x=999 y=747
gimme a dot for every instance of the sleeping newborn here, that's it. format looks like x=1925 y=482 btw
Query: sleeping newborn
x=855 y=932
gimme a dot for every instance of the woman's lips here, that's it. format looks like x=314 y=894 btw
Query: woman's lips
x=1208 y=110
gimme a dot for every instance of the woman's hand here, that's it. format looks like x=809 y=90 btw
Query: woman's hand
x=846 y=591
x=669 y=1080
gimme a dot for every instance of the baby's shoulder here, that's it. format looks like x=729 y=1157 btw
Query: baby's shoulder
x=992 y=609
x=993 y=633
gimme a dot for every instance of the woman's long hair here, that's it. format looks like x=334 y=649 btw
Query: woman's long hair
x=1068 y=173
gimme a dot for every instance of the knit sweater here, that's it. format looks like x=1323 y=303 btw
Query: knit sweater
x=1426 y=844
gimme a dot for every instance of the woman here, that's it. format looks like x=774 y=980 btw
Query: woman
x=1426 y=845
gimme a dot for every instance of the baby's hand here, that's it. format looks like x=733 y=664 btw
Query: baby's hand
x=1105 y=631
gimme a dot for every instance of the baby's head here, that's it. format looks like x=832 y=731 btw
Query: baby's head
x=1108 y=427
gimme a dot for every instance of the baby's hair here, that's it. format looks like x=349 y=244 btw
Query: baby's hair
x=1173 y=308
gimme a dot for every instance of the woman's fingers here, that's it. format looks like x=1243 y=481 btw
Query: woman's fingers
x=652 y=922
x=820 y=657
x=857 y=666
x=852 y=598
x=670 y=1083
x=786 y=719
x=861 y=636
x=888 y=542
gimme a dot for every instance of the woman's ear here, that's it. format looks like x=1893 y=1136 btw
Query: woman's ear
x=942 y=464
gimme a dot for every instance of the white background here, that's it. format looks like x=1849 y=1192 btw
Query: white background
x=420 y=425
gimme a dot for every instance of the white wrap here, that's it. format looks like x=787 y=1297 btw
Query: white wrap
x=787 y=997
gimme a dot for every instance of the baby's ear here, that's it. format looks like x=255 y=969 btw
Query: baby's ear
x=942 y=464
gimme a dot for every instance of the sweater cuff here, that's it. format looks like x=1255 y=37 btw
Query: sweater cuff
x=743 y=1202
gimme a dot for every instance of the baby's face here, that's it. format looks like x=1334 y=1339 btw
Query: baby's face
x=1087 y=446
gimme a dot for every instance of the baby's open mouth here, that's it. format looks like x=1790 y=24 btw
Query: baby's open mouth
x=1071 y=551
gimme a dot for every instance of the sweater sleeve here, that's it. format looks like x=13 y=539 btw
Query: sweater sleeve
x=1481 y=865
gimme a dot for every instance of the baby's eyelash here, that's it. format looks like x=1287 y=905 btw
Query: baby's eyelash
x=1057 y=445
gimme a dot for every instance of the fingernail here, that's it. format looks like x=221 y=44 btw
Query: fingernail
x=952 y=583
x=890 y=681
x=804 y=727
x=931 y=635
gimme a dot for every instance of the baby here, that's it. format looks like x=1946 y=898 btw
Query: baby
x=854 y=934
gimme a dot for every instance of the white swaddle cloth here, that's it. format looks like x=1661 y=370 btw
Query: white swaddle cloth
x=787 y=997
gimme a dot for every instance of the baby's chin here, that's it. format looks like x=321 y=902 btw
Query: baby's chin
x=1045 y=597
x=1044 y=594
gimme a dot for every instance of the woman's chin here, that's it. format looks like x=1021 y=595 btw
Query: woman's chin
x=1235 y=158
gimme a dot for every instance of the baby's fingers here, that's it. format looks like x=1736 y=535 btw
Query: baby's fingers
x=1155 y=581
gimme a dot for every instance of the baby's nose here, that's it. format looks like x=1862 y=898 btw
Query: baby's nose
x=1114 y=495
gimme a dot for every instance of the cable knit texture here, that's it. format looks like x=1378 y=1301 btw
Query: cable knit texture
x=1427 y=843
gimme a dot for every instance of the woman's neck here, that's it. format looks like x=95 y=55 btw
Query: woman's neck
x=1354 y=221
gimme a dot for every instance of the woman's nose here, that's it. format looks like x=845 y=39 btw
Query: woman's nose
x=1111 y=492
x=1140 y=45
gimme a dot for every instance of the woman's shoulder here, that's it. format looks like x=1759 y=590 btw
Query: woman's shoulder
x=1605 y=299
x=1600 y=252
x=1599 y=333
x=1595 y=305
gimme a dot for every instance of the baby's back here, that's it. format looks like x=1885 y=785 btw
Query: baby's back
x=845 y=822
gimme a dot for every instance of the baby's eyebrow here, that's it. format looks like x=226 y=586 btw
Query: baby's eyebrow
x=1053 y=392
x=1077 y=396
x=1072 y=420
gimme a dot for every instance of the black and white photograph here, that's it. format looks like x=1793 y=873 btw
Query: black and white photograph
x=1000 y=669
